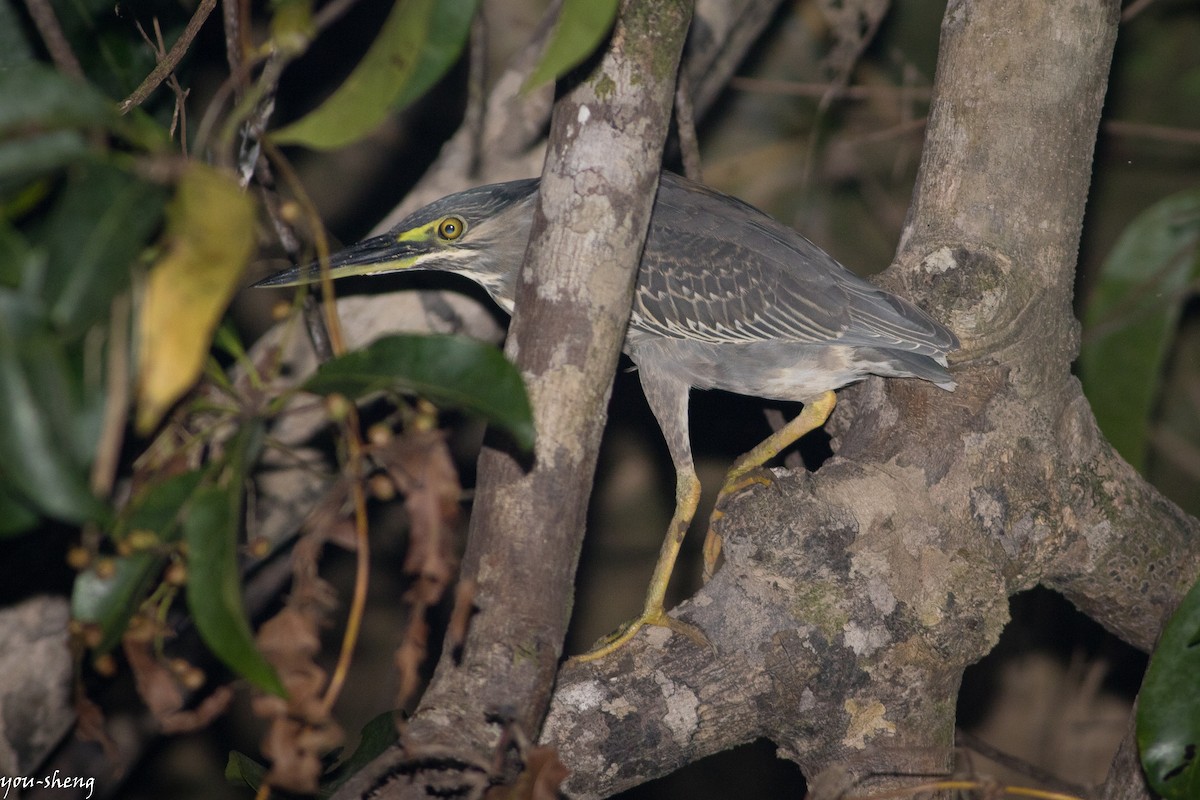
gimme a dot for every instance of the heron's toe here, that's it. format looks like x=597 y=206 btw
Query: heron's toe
x=624 y=634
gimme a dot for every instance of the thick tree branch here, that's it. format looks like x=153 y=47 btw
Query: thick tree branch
x=1129 y=542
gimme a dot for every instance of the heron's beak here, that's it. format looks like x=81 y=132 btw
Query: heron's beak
x=374 y=256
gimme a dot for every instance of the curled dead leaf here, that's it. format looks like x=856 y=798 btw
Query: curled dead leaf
x=541 y=778
x=202 y=715
x=155 y=682
x=410 y=655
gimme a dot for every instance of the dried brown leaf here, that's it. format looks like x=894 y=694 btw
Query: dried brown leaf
x=289 y=635
x=343 y=534
x=155 y=682
x=301 y=731
x=853 y=25
x=290 y=641
x=548 y=772
x=420 y=464
x=202 y=715
x=89 y=727
x=294 y=767
x=410 y=655
x=539 y=780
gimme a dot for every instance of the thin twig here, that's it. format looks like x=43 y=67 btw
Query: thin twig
x=985 y=788
x=116 y=390
x=685 y=129
x=52 y=35
x=842 y=80
x=233 y=85
x=818 y=90
x=1145 y=130
x=337 y=341
x=179 y=115
x=972 y=742
x=884 y=134
x=1182 y=454
x=835 y=90
x=355 y=461
x=1114 y=127
x=234 y=23
x=167 y=65
x=355 y=458
x=1134 y=8
x=473 y=116
x=330 y=12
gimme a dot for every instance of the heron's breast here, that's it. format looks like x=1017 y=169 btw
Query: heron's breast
x=773 y=370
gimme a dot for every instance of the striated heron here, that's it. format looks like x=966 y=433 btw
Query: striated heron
x=727 y=298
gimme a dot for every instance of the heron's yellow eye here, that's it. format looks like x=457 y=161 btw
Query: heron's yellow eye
x=451 y=228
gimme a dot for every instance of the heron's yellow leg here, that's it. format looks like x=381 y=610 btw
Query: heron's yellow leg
x=741 y=474
x=687 y=496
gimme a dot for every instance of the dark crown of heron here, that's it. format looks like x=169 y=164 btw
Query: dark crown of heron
x=480 y=233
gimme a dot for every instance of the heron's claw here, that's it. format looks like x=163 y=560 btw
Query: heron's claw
x=741 y=480
x=713 y=542
x=735 y=482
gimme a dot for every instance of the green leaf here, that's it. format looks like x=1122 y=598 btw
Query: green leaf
x=37 y=101
x=40 y=447
x=14 y=49
x=214 y=595
x=72 y=406
x=581 y=27
x=362 y=103
x=24 y=159
x=1168 y=713
x=35 y=98
x=448 y=30
x=292 y=26
x=446 y=370
x=45 y=121
x=376 y=736
x=16 y=516
x=160 y=507
x=111 y=602
x=1131 y=317
x=102 y=222
x=17 y=257
x=241 y=768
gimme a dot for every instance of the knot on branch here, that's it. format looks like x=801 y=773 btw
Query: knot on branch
x=979 y=293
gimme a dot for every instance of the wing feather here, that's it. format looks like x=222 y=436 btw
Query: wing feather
x=761 y=281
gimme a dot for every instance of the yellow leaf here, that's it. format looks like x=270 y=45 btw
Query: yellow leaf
x=209 y=240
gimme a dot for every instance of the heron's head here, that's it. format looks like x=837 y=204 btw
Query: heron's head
x=480 y=233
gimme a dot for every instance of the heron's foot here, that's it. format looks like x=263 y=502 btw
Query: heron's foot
x=740 y=479
x=736 y=481
x=622 y=635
